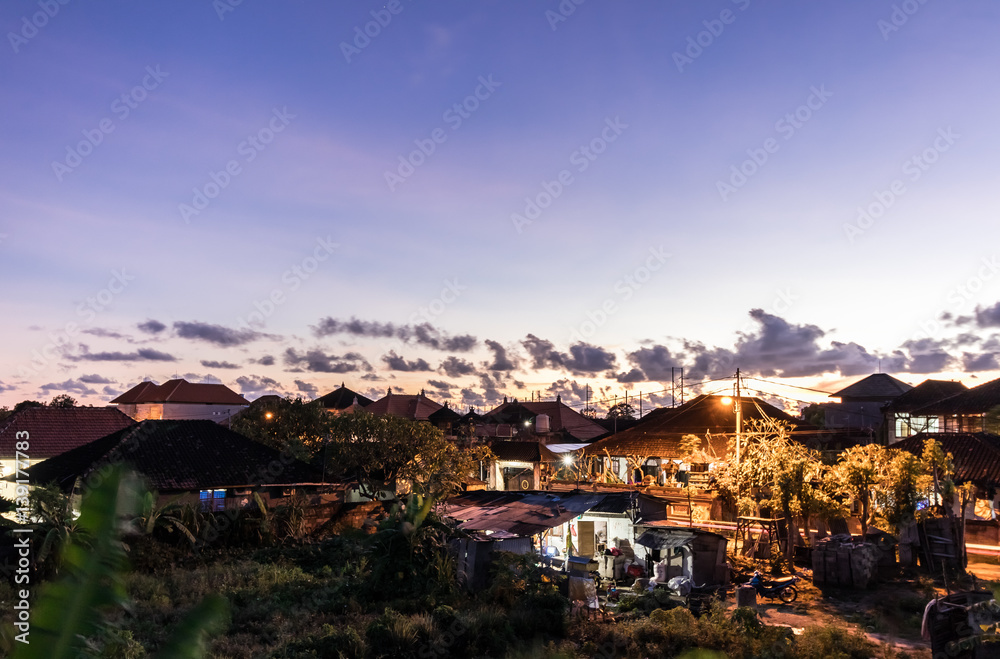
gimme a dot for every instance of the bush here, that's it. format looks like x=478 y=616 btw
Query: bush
x=829 y=642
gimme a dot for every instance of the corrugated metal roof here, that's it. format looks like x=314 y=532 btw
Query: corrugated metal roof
x=528 y=513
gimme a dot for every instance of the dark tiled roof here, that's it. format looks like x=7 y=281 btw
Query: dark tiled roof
x=342 y=398
x=659 y=433
x=925 y=393
x=415 y=407
x=181 y=391
x=522 y=452
x=55 y=430
x=561 y=417
x=877 y=386
x=976 y=454
x=977 y=400
x=180 y=456
x=444 y=415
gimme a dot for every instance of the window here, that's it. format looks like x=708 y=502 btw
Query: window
x=212 y=500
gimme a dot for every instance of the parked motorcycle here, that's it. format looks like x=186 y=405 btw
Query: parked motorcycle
x=783 y=588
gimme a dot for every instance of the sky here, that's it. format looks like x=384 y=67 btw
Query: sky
x=484 y=199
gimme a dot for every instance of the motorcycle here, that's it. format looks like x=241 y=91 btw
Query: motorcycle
x=783 y=588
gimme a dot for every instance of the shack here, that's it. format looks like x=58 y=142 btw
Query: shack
x=691 y=553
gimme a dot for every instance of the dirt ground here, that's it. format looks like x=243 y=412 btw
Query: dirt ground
x=889 y=613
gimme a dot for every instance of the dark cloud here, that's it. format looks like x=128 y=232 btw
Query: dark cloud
x=983 y=362
x=214 y=364
x=423 y=334
x=317 y=361
x=926 y=356
x=585 y=358
x=489 y=384
x=471 y=397
x=216 y=334
x=500 y=360
x=455 y=367
x=634 y=375
x=570 y=391
x=74 y=386
x=112 y=392
x=152 y=326
x=143 y=354
x=95 y=379
x=6 y=387
x=655 y=363
x=397 y=363
x=543 y=353
x=266 y=360
x=309 y=390
x=988 y=316
x=441 y=385
x=259 y=385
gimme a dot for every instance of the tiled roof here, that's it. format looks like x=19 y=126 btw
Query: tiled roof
x=877 y=386
x=977 y=400
x=342 y=398
x=415 y=407
x=561 y=417
x=659 y=433
x=181 y=391
x=522 y=452
x=976 y=454
x=55 y=430
x=180 y=456
x=444 y=415
x=925 y=393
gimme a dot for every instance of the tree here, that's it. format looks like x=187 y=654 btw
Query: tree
x=289 y=424
x=25 y=404
x=860 y=471
x=621 y=411
x=379 y=450
x=63 y=400
x=814 y=415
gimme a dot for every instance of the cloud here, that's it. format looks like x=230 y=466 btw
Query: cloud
x=543 y=353
x=655 y=363
x=266 y=360
x=6 y=387
x=456 y=367
x=500 y=360
x=106 y=333
x=152 y=326
x=585 y=358
x=112 y=392
x=988 y=316
x=216 y=334
x=441 y=386
x=69 y=385
x=397 y=363
x=317 y=361
x=471 y=397
x=259 y=385
x=143 y=354
x=309 y=390
x=972 y=363
x=214 y=364
x=634 y=375
x=571 y=391
x=423 y=334
x=927 y=356
x=95 y=379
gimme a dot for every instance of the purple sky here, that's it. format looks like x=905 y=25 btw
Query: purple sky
x=490 y=198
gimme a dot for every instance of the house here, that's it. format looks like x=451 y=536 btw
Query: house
x=181 y=400
x=901 y=414
x=416 y=407
x=343 y=401
x=653 y=445
x=967 y=411
x=520 y=465
x=547 y=421
x=51 y=431
x=861 y=403
x=200 y=461
x=446 y=419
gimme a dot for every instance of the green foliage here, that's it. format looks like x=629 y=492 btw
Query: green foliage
x=70 y=614
x=832 y=642
x=290 y=424
x=621 y=411
x=63 y=400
